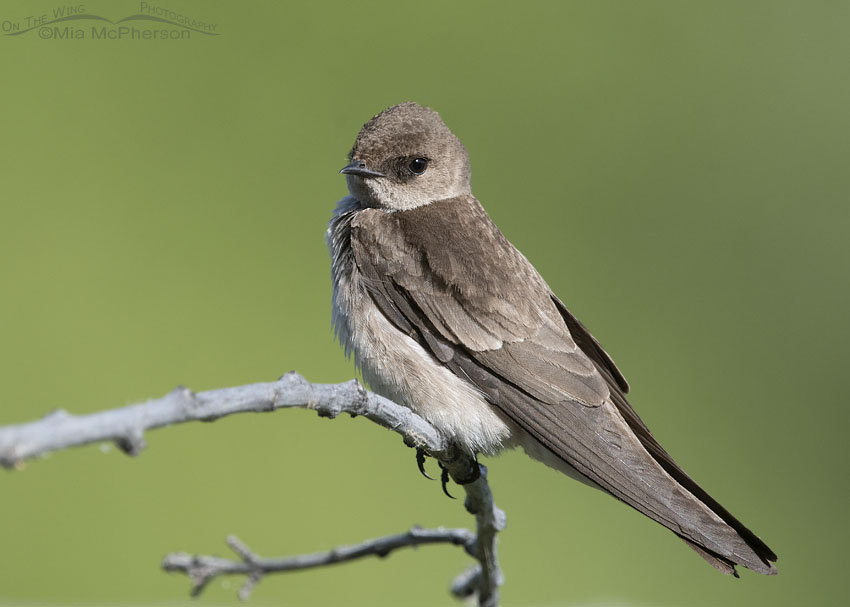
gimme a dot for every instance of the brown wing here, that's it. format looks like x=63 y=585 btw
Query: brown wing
x=447 y=277
x=478 y=293
x=619 y=388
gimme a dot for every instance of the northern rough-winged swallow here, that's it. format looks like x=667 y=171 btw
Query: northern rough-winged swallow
x=446 y=317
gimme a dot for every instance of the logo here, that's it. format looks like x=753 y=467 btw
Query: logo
x=75 y=22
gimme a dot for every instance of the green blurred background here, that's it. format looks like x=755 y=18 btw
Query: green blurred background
x=678 y=171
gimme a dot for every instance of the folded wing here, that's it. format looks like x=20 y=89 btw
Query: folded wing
x=444 y=275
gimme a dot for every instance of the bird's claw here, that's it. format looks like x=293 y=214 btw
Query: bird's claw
x=444 y=479
x=420 y=462
x=444 y=472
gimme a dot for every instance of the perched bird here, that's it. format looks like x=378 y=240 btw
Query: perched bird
x=444 y=315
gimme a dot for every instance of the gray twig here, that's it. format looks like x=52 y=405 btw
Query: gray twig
x=489 y=520
x=202 y=569
x=126 y=427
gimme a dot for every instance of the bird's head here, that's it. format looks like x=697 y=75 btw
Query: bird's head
x=406 y=157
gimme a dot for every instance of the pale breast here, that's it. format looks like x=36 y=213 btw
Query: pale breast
x=396 y=366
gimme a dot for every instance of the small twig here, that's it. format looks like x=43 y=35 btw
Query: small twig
x=490 y=520
x=202 y=569
x=467 y=582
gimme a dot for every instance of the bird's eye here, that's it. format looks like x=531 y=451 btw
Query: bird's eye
x=417 y=166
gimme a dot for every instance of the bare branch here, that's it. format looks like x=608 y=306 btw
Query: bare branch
x=202 y=569
x=490 y=520
x=467 y=583
x=126 y=427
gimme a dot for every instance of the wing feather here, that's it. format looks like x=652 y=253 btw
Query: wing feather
x=494 y=305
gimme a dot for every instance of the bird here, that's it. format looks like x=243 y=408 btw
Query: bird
x=445 y=316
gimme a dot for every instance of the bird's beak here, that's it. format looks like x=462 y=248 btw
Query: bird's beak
x=358 y=167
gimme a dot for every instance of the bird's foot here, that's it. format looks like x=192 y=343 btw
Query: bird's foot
x=475 y=471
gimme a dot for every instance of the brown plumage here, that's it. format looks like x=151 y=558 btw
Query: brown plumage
x=437 y=305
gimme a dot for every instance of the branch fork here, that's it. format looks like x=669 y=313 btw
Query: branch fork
x=125 y=426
